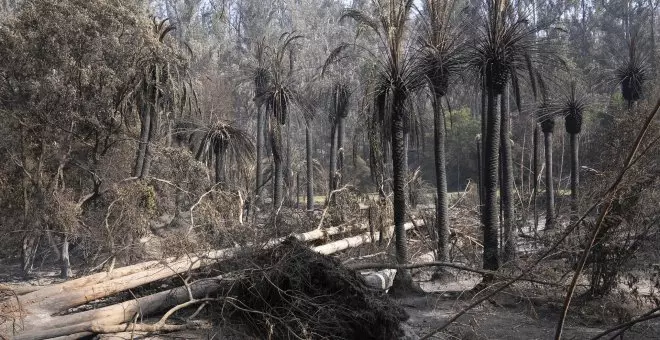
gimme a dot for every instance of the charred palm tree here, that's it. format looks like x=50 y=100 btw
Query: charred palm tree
x=547 y=127
x=632 y=74
x=159 y=90
x=341 y=98
x=279 y=96
x=222 y=141
x=503 y=47
x=338 y=113
x=506 y=187
x=396 y=80
x=261 y=78
x=441 y=61
x=573 y=109
x=310 y=166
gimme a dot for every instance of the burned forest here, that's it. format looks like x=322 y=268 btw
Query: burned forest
x=329 y=169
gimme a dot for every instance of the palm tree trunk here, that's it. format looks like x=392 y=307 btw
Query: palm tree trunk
x=219 y=151
x=549 y=187
x=403 y=280
x=575 y=175
x=260 y=151
x=310 y=167
x=489 y=215
x=145 y=124
x=288 y=170
x=535 y=173
x=506 y=188
x=442 y=206
x=406 y=174
x=340 y=151
x=297 y=190
x=333 y=158
x=153 y=135
x=484 y=120
x=276 y=146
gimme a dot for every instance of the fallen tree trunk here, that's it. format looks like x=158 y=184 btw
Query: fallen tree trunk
x=92 y=321
x=34 y=311
x=352 y=242
x=158 y=265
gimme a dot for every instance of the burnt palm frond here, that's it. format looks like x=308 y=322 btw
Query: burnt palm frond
x=633 y=73
x=274 y=85
x=341 y=95
x=234 y=143
x=573 y=108
x=441 y=43
x=506 y=47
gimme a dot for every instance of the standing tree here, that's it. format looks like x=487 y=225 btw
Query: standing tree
x=279 y=95
x=261 y=79
x=342 y=95
x=506 y=187
x=158 y=93
x=632 y=73
x=547 y=127
x=572 y=110
x=222 y=140
x=396 y=78
x=441 y=60
x=502 y=48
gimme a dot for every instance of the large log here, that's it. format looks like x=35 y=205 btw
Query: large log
x=89 y=322
x=145 y=272
x=34 y=311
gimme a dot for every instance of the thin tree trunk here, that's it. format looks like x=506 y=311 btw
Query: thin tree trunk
x=340 y=151
x=276 y=146
x=297 y=190
x=218 y=150
x=260 y=151
x=479 y=173
x=489 y=215
x=506 y=192
x=64 y=258
x=145 y=124
x=575 y=175
x=442 y=206
x=289 y=170
x=549 y=187
x=153 y=136
x=333 y=158
x=535 y=173
x=310 y=168
x=484 y=120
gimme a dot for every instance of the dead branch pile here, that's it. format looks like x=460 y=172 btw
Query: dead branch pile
x=297 y=292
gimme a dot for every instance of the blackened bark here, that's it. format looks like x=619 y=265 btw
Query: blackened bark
x=506 y=187
x=549 y=187
x=219 y=153
x=575 y=175
x=403 y=283
x=151 y=142
x=442 y=206
x=535 y=173
x=333 y=159
x=310 y=169
x=145 y=123
x=489 y=215
x=260 y=151
x=276 y=146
